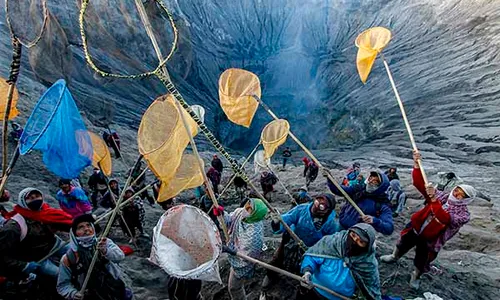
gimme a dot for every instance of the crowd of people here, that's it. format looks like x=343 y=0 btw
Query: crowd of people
x=336 y=250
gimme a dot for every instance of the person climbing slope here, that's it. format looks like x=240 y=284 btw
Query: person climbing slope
x=139 y=182
x=433 y=225
x=72 y=200
x=302 y=196
x=372 y=200
x=134 y=215
x=287 y=153
x=105 y=281
x=28 y=236
x=217 y=163
x=397 y=197
x=392 y=174
x=97 y=186
x=267 y=182
x=352 y=174
x=341 y=262
x=312 y=173
x=112 y=140
x=215 y=178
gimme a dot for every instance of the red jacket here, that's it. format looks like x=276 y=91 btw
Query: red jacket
x=430 y=221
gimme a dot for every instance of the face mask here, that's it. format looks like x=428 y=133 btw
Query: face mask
x=35 y=205
x=352 y=248
x=370 y=188
x=245 y=213
x=87 y=241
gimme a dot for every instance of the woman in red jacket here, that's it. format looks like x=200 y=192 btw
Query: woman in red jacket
x=429 y=228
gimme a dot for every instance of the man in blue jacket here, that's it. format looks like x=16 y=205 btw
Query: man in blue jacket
x=342 y=262
x=310 y=221
x=372 y=200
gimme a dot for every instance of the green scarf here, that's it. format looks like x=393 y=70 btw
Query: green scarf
x=259 y=211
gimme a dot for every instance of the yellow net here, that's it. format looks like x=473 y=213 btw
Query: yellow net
x=188 y=176
x=162 y=136
x=370 y=42
x=101 y=154
x=236 y=90
x=4 y=88
x=274 y=135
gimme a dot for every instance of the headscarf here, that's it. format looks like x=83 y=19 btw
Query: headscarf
x=364 y=268
x=470 y=193
x=259 y=211
x=85 y=242
x=46 y=214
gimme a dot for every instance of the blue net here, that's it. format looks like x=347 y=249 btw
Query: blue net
x=56 y=129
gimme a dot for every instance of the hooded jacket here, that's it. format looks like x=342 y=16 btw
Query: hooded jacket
x=331 y=267
x=65 y=285
x=375 y=204
x=16 y=252
x=301 y=220
x=75 y=202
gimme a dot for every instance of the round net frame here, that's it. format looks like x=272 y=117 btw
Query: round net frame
x=156 y=71
x=43 y=113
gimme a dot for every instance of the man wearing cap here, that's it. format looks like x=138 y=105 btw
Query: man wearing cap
x=342 y=262
x=105 y=281
x=433 y=225
x=371 y=199
x=311 y=222
x=72 y=200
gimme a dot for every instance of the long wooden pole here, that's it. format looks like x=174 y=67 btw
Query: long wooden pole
x=405 y=118
x=113 y=199
x=316 y=161
x=247 y=159
x=291 y=275
x=107 y=229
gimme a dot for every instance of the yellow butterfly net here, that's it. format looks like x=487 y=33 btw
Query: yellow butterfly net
x=187 y=176
x=370 y=42
x=236 y=90
x=162 y=136
x=101 y=155
x=4 y=88
x=274 y=135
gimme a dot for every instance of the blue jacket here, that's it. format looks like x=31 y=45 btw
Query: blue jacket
x=375 y=204
x=301 y=220
x=330 y=273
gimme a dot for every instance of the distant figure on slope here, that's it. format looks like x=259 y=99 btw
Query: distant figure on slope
x=352 y=174
x=267 y=182
x=287 y=153
x=217 y=163
x=312 y=173
x=392 y=174
x=397 y=197
x=72 y=200
x=112 y=140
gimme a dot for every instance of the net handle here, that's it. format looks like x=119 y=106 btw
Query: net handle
x=161 y=63
x=42 y=30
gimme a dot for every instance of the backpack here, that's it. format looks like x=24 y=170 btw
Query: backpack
x=21 y=222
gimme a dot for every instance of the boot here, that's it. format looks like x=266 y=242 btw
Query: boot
x=391 y=258
x=415 y=280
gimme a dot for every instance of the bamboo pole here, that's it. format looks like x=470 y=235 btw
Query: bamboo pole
x=106 y=231
x=211 y=193
x=247 y=159
x=316 y=161
x=112 y=195
x=288 y=274
x=405 y=118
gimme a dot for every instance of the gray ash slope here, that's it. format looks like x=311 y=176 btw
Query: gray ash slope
x=445 y=60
